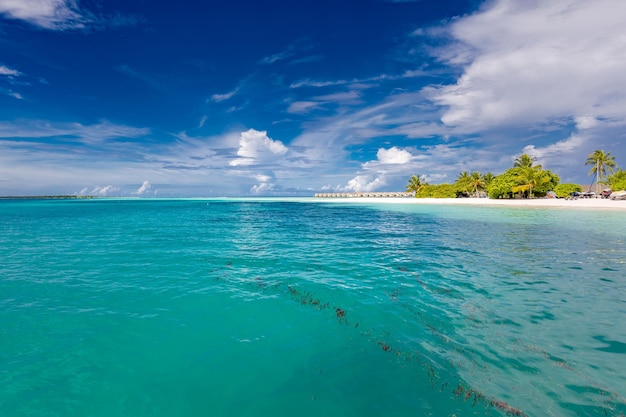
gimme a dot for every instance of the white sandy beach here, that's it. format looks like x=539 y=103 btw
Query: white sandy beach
x=583 y=203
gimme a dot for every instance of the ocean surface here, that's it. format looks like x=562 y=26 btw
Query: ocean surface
x=305 y=308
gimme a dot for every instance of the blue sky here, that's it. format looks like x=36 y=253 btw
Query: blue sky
x=289 y=98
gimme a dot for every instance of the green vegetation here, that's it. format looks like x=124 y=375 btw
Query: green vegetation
x=565 y=190
x=617 y=181
x=415 y=185
x=437 y=191
x=524 y=180
x=472 y=185
x=602 y=162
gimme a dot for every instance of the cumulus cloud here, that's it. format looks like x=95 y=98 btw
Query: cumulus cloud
x=145 y=187
x=256 y=147
x=393 y=155
x=365 y=183
x=104 y=191
x=263 y=178
x=531 y=62
x=47 y=14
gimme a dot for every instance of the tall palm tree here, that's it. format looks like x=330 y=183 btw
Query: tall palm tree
x=524 y=161
x=478 y=182
x=415 y=185
x=602 y=162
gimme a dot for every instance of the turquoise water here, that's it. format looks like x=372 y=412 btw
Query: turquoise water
x=255 y=308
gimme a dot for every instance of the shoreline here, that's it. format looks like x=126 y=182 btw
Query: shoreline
x=583 y=203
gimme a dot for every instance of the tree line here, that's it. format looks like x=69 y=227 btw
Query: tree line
x=525 y=179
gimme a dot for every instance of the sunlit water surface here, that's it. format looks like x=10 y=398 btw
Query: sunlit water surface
x=249 y=308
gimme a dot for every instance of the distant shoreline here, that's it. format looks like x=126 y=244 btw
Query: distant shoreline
x=46 y=197
x=582 y=203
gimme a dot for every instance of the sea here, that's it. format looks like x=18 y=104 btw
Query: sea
x=300 y=307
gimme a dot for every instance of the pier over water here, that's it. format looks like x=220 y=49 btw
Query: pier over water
x=400 y=194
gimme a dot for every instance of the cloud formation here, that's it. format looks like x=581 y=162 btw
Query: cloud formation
x=99 y=132
x=393 y=155
x=145 y=187
x=255 y=147
x=10 y=72
x=531 y=62
x=46 y=14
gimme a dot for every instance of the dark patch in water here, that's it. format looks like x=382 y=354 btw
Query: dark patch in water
x=613 y=346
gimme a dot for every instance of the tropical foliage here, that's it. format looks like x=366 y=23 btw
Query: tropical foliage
x=565 y=190
x=438 y=191
x=617 y=181
x=525 y=179
x=415 y=185
x=524 y=161
x=471 y=185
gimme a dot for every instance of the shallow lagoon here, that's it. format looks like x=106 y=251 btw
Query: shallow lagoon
x=247 y=307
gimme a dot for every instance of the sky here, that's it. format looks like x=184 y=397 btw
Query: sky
x=153 y=98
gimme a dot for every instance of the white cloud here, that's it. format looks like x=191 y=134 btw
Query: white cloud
x=313 y=83
x=586 y=122
x=223 y=97
x=345 y=96
x=145 y=187
x=532 y=62
x=256 y=147
x=364 y=183
x=10 y=72
x=47 y=14
x=319 y=102
x=277 y=57
x=393 y=155
x=104 y=191
x=301 y=107
x=357 y=81
x=562 y=150
x=262 y=188
x=262 y=178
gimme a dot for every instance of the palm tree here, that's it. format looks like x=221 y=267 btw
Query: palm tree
x=524 y=161
x=477 y=182
x=415 y=185
x=602 y=162
x=530 y=177
x=487 y=178
x=463 y=183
